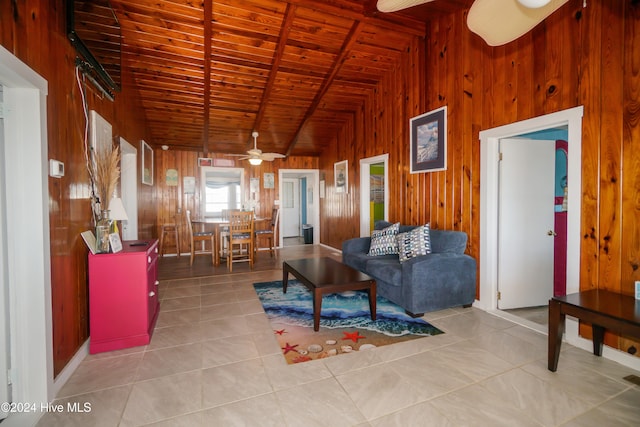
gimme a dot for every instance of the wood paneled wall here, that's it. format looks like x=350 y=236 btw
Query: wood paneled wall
x=34 y=31
x=578 y=56
x=171 y=199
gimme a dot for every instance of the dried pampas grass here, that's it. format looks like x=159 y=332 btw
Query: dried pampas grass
x=106 y=174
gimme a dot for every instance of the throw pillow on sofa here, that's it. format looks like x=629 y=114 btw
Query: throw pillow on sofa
x=384 y=242
x=414 y=243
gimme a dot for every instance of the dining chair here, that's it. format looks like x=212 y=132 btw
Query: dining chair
x=269 y=233
x=240 y=239
x=198 y=237
x=171 y=229
x=224 y=232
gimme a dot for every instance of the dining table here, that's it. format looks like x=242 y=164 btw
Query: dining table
x=215 y=224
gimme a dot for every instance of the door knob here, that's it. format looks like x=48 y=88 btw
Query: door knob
x=551 y=233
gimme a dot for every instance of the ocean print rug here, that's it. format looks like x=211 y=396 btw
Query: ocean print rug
x=345 y=322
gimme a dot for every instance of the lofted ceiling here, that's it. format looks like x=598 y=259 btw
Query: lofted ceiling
x=209 y=73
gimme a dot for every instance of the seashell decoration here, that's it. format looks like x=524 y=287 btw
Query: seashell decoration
x=315 y=348
x=366 y=347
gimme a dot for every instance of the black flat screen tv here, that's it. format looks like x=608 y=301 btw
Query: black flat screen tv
x=94 y=31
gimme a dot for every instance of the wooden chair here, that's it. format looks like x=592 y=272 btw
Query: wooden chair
x=171 y=229
x=240 y=239
x=198 y=237
x=224 y=231
x=270 y=233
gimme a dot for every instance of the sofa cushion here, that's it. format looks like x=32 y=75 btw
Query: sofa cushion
x=357 y=260
x=385 y=268
x=383 y=242
x=414 y=243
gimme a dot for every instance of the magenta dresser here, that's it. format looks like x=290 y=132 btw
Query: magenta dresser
x=123 y=296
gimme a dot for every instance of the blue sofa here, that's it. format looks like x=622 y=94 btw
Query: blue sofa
x=442 y=279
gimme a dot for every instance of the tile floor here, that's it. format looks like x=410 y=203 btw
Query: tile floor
x=213 y=361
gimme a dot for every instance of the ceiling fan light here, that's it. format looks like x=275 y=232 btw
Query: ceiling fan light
x=255 y=161
x=534 y=4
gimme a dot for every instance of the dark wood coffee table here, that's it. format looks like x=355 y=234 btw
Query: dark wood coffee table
x=328 y=276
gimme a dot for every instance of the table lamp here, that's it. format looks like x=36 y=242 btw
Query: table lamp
x=117 y=212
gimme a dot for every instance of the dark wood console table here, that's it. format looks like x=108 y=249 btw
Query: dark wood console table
x=603 y=309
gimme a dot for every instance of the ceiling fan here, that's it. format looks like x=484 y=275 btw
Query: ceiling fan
x=498 y=22
x=255 y=155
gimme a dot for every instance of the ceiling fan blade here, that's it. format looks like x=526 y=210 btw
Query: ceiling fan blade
x=240 y=156
x=269 y=157
x=499 y=22
x=396 y=5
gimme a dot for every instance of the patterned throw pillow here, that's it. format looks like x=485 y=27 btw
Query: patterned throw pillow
x=414 y=243
x=383 y=242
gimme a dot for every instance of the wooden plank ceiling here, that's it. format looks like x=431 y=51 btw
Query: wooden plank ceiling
x=209 y=73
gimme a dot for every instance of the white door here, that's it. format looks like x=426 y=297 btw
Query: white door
x=525 y=223
x=129 y=186
x=5 y=347
x=290 y=206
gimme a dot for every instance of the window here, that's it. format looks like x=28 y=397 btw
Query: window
x=222 y=189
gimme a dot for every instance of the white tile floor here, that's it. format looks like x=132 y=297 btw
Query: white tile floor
x=213 y=361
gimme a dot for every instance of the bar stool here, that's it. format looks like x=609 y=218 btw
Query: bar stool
x=171 y=229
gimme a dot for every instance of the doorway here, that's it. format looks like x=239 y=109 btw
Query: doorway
x=490 y=203
x=299 y=205
x=27 y=279
x=374 y=192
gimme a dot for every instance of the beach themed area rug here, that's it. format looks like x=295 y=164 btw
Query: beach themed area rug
x=345 y=322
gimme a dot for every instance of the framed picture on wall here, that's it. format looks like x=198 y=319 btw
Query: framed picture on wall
x=204 y=161
x=429 y=141
x=341 y=175
x=147 y=162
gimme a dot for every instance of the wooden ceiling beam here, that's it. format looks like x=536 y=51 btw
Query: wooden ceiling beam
x=349 y=41
x=208 y=18
x=275 y=64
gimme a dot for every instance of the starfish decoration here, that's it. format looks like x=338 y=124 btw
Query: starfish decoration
x=287 y=348
x=353 y=336
x=280 y=331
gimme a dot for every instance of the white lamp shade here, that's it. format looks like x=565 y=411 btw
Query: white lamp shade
x=116 y=210
x=534 y=4
x=255 y=161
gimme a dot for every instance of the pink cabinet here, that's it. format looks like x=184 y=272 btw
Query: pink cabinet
x=123 y=296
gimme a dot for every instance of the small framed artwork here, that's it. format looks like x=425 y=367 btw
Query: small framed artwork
x=341 y=174
x=204 y=161
x=171 y=178
x=147 y=162
x=429 y=141
x=269 y=180
x=189 y=184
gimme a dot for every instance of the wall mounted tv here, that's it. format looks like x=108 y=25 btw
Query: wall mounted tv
x=94 y=30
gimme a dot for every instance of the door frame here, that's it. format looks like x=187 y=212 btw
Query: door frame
x=313 y=212
x=25 y=93
x=365 y=174
x=489 y=182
